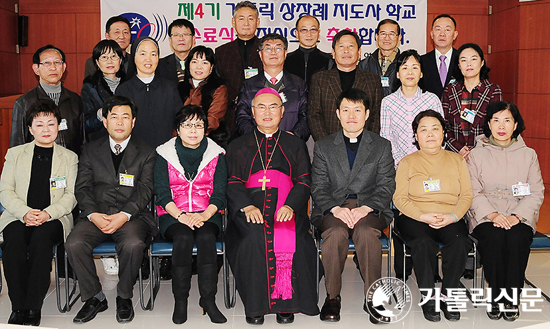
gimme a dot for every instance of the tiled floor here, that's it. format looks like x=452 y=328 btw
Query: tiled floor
x=352 y=314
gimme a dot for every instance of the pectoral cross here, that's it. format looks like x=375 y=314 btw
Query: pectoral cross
x=263 y=181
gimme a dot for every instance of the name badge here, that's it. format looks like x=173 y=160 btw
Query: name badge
x=521 y=189
x=63 y=125
x=283 y=97
x=58 y=183
x=468 y=115
x=126 y=180
x=385 y=82
x=432 y=185
x=250 y=72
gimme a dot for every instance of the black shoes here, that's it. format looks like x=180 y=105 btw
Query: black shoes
x=124 y=310
x=331 y=309
x=284 y=318
x=429 y=311
x=33 y=318
x=18 y=317
x=511 y=312
x=468 y=274
x=495 y=312
x=208 y=287
x=374 y=316
x=255 y=319
x=449 y=315
x=90 y=309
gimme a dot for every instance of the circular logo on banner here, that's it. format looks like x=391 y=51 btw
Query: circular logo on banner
x=388 y=298
x=141 y=26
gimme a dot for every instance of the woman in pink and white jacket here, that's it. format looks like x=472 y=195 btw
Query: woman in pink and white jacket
x=190 y=185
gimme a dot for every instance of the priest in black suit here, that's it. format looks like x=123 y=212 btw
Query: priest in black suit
x=439 y=66
x=113 y=189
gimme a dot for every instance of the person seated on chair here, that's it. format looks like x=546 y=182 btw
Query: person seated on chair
x=190 y=183
x=433 y=193
x=271 y=252
x=508 y=193
x=114 y=188
x=37 y=191
x=353 y=182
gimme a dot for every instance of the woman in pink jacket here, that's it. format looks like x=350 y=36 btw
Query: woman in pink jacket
x=508 y=193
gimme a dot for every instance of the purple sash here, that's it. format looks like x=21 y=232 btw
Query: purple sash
x=284 y=240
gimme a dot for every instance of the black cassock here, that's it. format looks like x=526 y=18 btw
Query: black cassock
x=250 y=247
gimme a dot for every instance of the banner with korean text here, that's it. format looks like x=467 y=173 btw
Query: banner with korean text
x=212 y=20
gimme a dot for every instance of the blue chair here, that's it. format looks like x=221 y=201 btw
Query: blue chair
x=163 y=248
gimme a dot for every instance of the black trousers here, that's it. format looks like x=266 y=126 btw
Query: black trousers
x=504 y=255
x=27 y=254
x=184 y=238
x=424 y=243
x=130 y=244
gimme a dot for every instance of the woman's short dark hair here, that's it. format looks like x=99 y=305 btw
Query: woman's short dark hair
x=484 y=72
x=104 y=47
x=502 y=106
x=118 y=100
x=424 y=114
x=201 y=52
x=402 y=59
x=189 y=112
x=44 y=107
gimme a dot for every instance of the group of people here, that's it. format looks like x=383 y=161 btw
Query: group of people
x=425 y=141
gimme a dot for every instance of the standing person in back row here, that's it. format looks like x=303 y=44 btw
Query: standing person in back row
x=439 y=65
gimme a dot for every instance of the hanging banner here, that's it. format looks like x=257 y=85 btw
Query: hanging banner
x=212 y=20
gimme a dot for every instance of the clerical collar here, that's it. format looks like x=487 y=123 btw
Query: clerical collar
x=352 y=143
x=268 y=135
x=146 y=80
x=123 y=145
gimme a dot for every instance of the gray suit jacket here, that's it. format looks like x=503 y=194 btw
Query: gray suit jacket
x=372 y=177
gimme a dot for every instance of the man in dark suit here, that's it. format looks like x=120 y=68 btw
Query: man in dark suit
x=293 y=90
x=439 y=65
x=307 y=59
x=182 y=39
x=353 y=182
x=239 y=60
x=326 y=86
x=113 y=188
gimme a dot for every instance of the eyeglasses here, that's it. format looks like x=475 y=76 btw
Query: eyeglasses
x=391 y=35
x=187 y=125
x=271 y=107
x=104 y=58
x=270 y=49
x=182 y=35
x=305 y=31
x=49 y=64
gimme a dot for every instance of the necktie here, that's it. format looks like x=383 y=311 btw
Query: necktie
x=442 y=70
x=273 y=81
x=117 y=149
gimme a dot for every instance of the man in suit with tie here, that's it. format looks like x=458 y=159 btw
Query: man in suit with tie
x=182 y=40
x=113 y=189
x=326 y=86
x=353 y=182
x=439 y=65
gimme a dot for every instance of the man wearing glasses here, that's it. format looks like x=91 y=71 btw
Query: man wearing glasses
x=182 y=39
x=382 y=61
x=49 y=65
x=307 y=59
x=293 y=90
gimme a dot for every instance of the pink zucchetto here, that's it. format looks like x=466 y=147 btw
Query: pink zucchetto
x=267 y=90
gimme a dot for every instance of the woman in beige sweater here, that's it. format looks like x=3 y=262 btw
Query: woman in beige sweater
x=508 y=193
x=433 y=192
